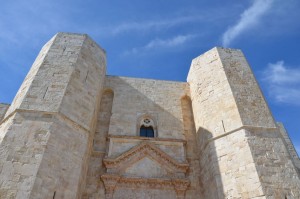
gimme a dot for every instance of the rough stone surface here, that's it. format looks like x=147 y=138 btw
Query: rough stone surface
x=238 y=140
x=289 y=145
x=158 y=99
x=74 y=132
x=3 y=109
x=49 y=126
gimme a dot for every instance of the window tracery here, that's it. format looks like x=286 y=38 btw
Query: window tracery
x=146 y=126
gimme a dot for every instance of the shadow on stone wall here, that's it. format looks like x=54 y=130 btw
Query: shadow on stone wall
x=209 y=175
x=273 y=162
x=132 y=97
x=158 y=98
x=192 y=153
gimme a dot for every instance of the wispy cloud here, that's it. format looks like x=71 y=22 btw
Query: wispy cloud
x=161 y=44
x=249 y=18
x=153 y=24
x=175 y=41
x=283 y=82
x=280 y=74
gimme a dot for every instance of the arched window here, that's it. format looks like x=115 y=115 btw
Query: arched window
x=146 y=126
x=146 y=131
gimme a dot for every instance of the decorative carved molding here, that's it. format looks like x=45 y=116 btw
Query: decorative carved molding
x=180 y=186
x=111 y=181
x=143 y=150
x=116 y=168
x=148 y=183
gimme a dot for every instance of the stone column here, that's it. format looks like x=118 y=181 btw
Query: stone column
x=45 y=136
x=241 y=151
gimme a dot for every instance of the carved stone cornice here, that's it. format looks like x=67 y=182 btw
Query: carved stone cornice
x=143 y=150
x=111 y=181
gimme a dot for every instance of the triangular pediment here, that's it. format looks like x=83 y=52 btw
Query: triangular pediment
x=153 y=169
x=137 y=155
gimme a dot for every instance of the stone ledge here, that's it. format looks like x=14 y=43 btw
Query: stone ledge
x=55 y=114
x=245 y=127
x=145 y=138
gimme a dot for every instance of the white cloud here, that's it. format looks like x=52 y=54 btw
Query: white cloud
x=280 y=74
x=175 y=41
x=154 y=24
x=249 y=18
x=283 y=82
x=161 y=44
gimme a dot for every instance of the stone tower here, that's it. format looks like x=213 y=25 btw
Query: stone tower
x=74 y=132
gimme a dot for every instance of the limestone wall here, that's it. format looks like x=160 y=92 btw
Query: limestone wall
x=215 y=111
x=192 y=153
x=251 y=104
x=46 y=142
x=289 y=145
x=3 y=109
x=37 y=87
x=214 y=107
x=274 y=165
x=73 y=132
x=237 y=136
x=134 y=97
x=94 y=187
x=22 y=145
x=103 y=121
x=123 y=103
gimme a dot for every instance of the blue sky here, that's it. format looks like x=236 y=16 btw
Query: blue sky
x=158 y=39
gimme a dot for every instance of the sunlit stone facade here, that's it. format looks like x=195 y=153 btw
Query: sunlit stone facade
x=74 y=132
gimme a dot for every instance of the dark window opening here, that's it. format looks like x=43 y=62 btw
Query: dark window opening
x=146 y=131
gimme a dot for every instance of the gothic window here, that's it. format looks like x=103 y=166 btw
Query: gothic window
x=146 y=126
x=146 y=131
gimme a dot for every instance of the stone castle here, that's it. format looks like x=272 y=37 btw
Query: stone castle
x=74 y=132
